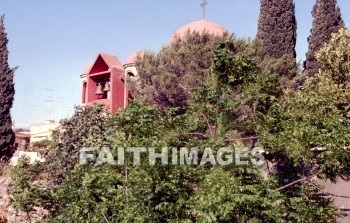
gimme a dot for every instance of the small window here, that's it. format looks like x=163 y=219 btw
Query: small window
x=131 y=76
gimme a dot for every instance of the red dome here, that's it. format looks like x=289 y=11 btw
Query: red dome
x=131 y=59
x=200 y=26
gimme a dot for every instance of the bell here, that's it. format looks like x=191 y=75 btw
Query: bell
x=106 y=88
x=99 y=90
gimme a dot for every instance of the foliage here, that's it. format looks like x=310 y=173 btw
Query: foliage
x=7 y=92
x=327 y=20
x=253 y=90
x=223 y=198
x=41 y=146
x=159 y=193
x=334 y=58
x=152 y=193
x=307 y=131
x=86 y=196
x=168 y=77
x=234 y=98
x=23 y=190
x=315 y=117
x=86 y=128
x=277 y=33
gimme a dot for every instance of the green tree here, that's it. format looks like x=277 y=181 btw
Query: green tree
x=306 y=132
x=86 y=128
x=206 y=192
x=326 y=20
x=315 y=118
x=168 y=77
x=25 y=193
x=7 y=92
x=334 y=57
x=155 y=193
x=248 y=89
x=277 y=33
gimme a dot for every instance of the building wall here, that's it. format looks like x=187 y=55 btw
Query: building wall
x=31 y=156
x=42 y=131
x=340 y=192
x=22 y=140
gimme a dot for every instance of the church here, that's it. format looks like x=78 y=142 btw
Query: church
x=104 y=81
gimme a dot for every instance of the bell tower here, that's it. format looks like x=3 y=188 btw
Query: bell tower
x=102 y=83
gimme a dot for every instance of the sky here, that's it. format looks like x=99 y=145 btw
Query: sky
x=52 y=41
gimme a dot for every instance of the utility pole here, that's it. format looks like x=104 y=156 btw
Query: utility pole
x=32 y=115
x=49 y=103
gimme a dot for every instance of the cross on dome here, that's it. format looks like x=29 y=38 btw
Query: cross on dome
x=204 y=6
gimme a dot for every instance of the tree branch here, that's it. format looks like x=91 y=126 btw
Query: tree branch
x=194 y=134
x=299 y=181
x=216 y=118
x=104 y=216
x=208 y=124
x=237 y=139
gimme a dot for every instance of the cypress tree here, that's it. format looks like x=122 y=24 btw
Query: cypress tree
x=277 y=34
x=327 y=20
x=7 y=92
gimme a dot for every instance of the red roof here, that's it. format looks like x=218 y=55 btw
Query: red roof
x=200 y=26
x=111 y=61
x=22 y=135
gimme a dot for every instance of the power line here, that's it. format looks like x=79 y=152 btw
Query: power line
x=60 y=104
